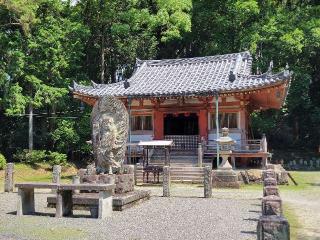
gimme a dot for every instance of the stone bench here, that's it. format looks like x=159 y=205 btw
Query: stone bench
x=64 y=198
x=89 y=201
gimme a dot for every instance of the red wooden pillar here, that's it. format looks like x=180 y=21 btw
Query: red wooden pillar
x=203 y=124
x=158 y=125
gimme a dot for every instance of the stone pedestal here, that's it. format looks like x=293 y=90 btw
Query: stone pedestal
x=8 y=179
x=270 y=190
x=166 y=181
x=269 y=182
x=225 y=179
x=272 y=205
x=273 y=228
x=207 y=182
x=124 y=182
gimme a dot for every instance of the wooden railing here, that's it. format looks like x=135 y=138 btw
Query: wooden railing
x=243 y=145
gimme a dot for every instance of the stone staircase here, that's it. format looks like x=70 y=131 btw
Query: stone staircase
x=180 y=158
x=182 y=174
x=183 y=167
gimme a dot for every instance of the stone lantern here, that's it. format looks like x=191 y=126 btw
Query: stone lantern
x=224 y=176
x=225 y=143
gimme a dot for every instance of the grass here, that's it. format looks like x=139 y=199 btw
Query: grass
x=37 y=173
x=30 y=228
x=306 y=180
x=293 y=220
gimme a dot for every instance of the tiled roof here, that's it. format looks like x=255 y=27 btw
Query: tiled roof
x=187 y=76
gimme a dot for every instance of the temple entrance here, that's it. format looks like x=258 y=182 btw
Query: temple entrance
x=181 y=124
x=183 y=129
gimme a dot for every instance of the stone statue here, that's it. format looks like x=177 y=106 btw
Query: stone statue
x=110 y=124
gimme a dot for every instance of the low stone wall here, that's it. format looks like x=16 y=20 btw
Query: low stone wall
x=272 y=225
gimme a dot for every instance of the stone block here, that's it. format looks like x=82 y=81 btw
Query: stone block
x=254 y=175
x=207 y=182
x=105 y=204
x=25 y=204
x=89 y=179
x=8 y=179
x=270 y=190
x=272 y=205
x=64 y=203
x=225 y=179
x=166 y=181
x=269 y=182
x=91 y=169
x=268 y=174
x=81 y=173
x=124 y=183
x=273 y=227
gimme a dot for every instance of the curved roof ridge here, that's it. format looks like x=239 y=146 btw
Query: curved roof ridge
x=172 y=61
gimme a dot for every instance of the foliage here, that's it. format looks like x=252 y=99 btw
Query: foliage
x=32 y=157
x=3 y=162
x=64 y=136
x=40 y=156
x=55 y=158
x=47 y=44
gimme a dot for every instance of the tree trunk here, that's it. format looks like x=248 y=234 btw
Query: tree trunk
x=102 y=59
x=30 y=127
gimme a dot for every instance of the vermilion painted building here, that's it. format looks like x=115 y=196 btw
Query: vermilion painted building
x=175 y=98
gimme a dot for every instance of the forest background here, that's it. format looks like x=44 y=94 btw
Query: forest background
x=45 y=45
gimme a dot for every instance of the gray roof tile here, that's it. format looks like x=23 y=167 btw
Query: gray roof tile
x=187 y=76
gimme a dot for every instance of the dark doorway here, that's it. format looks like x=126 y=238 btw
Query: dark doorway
x=181 y=124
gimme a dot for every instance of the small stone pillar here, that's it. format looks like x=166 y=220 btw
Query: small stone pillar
x=76 y=180
x=166 y=181
x=270 y=190
x=207 y=182
x=269 y=182
x=273 y=227
x=200 y=155
x=272 y=205
x=56 y=174
x=8 y=179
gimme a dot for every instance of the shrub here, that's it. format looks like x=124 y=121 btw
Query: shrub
x=32 y=157
x=3 y=161
x=40 y=156
x=55 y=158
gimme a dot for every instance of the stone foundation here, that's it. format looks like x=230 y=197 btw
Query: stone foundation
x=225 y=179
x=124 y=181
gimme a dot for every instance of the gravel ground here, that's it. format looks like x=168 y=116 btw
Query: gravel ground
x=230 y=214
